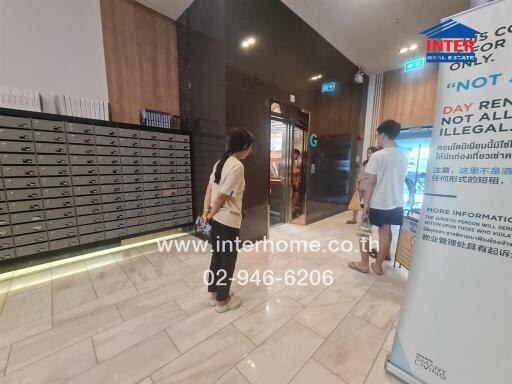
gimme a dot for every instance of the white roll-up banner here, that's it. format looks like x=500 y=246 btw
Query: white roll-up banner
x=456 y=322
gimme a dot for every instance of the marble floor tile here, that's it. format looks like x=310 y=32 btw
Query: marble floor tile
x=337 y=261
x=262 y=321
x=378 y=374
x=122 y=336
x=325 y=312
x=201 y=325
x=25 y=307
x=110 y=288
x=30 y=281
x=232 y=377
x=59 y=337
x=246 y=260
x=395 y=281
x=353 y=284
x=295 y=262
x=194 y=301
x=132 y=253
x=351 y=349
x=92 y=306
x=107 y=275
x=314 y=372
x=67 y=298
x=197 y=262
x=97 y=262
x=208 y=361
x=139 y=270
x=254 y=294
x=251 y=270
x=304 y=294
x=281 y=356
x=3 y=296
x=4 y=354
x=133 y=365
x=388 y=344
x=143 y=313
x=69 y=275
x=142 y=303
x=379 y=307
x=165 y=264
x=25 y=331
x=57 y=368
x=5 y=283
x=163 y=280
x=196 y=280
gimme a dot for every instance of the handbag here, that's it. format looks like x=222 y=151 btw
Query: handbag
x=355 y=202
x=365 y=227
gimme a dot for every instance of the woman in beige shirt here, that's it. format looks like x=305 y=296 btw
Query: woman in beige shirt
x=223 y=207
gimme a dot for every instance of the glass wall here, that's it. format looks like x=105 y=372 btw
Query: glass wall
x=329 y=177
x=415 y=142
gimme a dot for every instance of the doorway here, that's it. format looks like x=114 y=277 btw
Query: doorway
x=287 y=183
x=415 y=142
x=329 y=176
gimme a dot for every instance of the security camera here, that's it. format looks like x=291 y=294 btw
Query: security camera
x=359 y=76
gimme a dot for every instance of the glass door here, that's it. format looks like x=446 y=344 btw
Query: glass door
x=298 y=174
x=415 y=142
x=288 y=144
x=280 y=170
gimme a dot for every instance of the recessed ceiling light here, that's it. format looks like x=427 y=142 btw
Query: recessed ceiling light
x=248 y=42
x=316 y=77
x=413 y=47
x=404 y=49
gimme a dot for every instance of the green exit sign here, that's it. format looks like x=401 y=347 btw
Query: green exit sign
x=328 y=87
x=413 y=65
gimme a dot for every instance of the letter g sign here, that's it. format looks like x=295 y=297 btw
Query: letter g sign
x=313 y=140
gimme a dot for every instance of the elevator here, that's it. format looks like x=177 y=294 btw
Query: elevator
x=288 y=159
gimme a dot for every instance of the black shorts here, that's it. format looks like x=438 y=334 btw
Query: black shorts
x=380 y=217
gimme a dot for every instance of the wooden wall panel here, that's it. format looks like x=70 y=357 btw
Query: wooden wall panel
x=409 y=97
x=141 y=59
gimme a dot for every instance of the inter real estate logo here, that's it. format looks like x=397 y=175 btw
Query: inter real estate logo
x=450 y=42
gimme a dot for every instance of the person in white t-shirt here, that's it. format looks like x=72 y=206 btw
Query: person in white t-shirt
x=383 y=196
x=223 y=207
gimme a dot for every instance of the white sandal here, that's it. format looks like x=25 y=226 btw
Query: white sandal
x=234 y=303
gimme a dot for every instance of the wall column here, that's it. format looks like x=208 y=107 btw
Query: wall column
x=372 y=118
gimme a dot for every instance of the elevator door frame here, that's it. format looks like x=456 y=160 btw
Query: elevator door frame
x=286 y=200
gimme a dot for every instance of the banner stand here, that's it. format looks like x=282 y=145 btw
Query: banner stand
x=455 y=319
x=400 y=374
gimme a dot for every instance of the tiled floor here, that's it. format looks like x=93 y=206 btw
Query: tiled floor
x=141 y=316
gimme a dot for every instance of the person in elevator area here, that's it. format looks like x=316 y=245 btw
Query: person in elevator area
x=296 y=180
x=362 y=181
x=223 y=208
x=383 y=197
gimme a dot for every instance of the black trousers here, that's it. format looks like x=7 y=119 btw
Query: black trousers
x=222 y=265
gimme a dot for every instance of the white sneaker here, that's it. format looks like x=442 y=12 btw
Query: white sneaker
x=234 y=303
